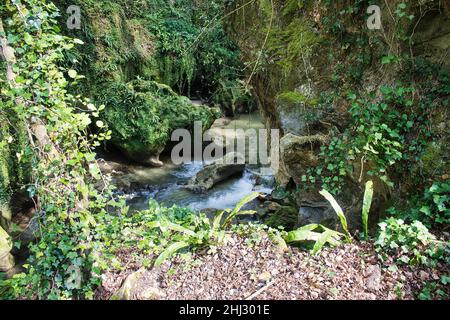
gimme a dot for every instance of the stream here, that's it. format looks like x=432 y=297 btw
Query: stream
x=167 y=184
x=170 y=190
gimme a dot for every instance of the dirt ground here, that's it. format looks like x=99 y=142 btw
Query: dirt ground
x=241 y=270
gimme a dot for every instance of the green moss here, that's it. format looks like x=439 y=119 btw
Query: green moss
x=434 y=154
x=291 y=42
x=142 y=114
x=285 y=216
x=296 y=98
x=159 y=42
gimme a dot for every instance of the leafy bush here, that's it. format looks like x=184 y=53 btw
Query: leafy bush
x=56 y=148
x=407 y=243
x=211 y=231
x=311 y=233
x=181 y=44
x=142 y=115
x=430 y=207
x=436 y=203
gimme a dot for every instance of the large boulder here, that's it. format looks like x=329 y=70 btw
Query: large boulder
x=230 y=165
x=229 y=133
x=317 y=213
x=142 y=115
x=141 y=153
x=6 y=259
x=297 y=154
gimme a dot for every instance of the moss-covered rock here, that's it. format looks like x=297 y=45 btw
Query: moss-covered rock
x=285 y=216
x=142 y=115
x=163 y=43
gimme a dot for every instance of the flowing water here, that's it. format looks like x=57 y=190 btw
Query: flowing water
x=167 y=184
x=171 y=191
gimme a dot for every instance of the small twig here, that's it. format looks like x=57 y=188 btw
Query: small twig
x=257 y=293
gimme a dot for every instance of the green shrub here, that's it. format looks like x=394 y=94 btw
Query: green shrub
x=407 y=243
x=430 y=207
x=436 y=203
x=316 y=234
x=142 y=115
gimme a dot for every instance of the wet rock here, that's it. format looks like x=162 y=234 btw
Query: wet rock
x=6 y=259
x=226 y=133
x=141 y=285
x=152 y=160
x=140 y=153
x=111 y=167
x=317 y=213
x=27 y=226
x=284 y=216
x=230 y=165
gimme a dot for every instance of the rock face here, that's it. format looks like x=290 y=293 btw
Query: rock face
x=297 y=154
x=319 y=213
x=144 y=157
x=141 y=285
x=230 y=165
x=296 y=92
x=6 y=259
x=5 y=216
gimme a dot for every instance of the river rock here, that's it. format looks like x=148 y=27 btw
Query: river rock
x=6 y=259
x=285 y=216
x=141 y=285
x=317 y=213
x=230 y=165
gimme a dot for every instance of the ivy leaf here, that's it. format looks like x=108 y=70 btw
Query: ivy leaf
x=73 y=74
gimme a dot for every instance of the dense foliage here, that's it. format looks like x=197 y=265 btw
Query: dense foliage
x=138 y=59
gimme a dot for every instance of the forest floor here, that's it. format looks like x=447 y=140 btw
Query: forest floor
x=241 y=270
